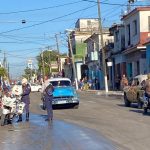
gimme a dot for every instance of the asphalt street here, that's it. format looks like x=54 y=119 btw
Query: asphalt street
x=100 y=123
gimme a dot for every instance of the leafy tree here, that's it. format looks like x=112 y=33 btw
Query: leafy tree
x=3 y=72
x=28 y=72
x=48 y=56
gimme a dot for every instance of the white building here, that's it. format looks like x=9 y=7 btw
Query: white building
x=84 y=28
x=129 y=54
x=137 y=30
x=94 y=59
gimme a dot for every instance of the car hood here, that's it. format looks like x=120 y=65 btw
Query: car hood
x=64 y=91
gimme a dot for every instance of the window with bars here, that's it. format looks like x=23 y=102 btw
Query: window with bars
x=134 y=27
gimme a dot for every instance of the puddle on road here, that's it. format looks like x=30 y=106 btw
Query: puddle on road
x=37 y=134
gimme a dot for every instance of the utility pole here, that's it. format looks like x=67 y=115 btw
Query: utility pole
x=102 y=47
x=43 y=65
x=57 y=43
x=49 y=60
x=50 y=70
x=8 y=71
x=30 y=64
x=4 y=61
x=72 y=56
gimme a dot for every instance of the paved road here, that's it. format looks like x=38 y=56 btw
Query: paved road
x=100 y=123
x=126 y=127
x=40 y=135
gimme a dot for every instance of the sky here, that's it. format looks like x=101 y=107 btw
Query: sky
x=45 y=18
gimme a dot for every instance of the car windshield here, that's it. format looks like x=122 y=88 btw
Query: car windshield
x=60 y=83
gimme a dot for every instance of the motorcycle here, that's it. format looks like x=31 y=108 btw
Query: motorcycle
x=10 y=107
x=146 y=103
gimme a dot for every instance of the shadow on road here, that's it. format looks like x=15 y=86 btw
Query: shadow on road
x=132 y=105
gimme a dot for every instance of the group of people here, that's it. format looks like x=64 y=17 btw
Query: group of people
x=47 y=91
x=89 y=84
x=5 y=89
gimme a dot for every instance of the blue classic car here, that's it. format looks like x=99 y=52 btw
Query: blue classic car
x=64 y=93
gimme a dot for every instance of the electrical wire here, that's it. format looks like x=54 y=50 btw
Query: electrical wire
x=115 y=4
x=21 y=41
x=47 y=20
x=39 y=9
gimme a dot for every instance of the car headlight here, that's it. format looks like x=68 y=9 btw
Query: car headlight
x=75 y=98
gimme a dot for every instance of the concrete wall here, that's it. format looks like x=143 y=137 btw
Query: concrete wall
x=134 y=38
x=83 y=24
x=120 y=44
x=144 y=21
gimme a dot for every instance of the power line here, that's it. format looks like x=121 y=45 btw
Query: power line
x=115 y=4
x=38 y=9
x=21 y=41
x=47 y=20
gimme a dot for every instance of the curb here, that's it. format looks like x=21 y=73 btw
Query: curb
x=103 y=93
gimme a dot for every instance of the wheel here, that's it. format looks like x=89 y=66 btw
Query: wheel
x=145 y=111
x=44 y=106
x=126 y=101
x=140 y=105
x=39 y=90
x=2 y=121
x=76 y=106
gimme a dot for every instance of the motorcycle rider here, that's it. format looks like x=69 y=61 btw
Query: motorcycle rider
x=26 y=89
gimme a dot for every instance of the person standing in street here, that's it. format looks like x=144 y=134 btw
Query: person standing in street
x=47 y=91
x=26 y=89
x=124 y=81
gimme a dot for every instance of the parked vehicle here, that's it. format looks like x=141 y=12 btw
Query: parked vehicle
x=133 y=92
x=35 y=87
x=11 y=107
x=64 y=93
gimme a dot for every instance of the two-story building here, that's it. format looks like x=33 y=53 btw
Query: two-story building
x=147 y=44
x=94 y=57
x=136 y=25
x=129 y=53
x=84 y=28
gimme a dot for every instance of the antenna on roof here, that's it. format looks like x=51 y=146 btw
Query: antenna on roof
x=129 y=5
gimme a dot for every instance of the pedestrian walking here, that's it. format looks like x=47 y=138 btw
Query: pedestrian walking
x=26 y=89
x=47 y=91
x=124 y=81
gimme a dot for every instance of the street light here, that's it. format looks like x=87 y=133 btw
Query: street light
x=72 y=56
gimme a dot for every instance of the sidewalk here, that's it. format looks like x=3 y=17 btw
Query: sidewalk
x=103 y=93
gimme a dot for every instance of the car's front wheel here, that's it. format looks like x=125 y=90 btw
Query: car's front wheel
x=76 y=106
x=39 y=90
x=140 y=105
x=145 y=111
x=126 y=101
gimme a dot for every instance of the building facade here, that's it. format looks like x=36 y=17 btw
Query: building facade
x=129 y=53
x=84 y=28
x=94 y=57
